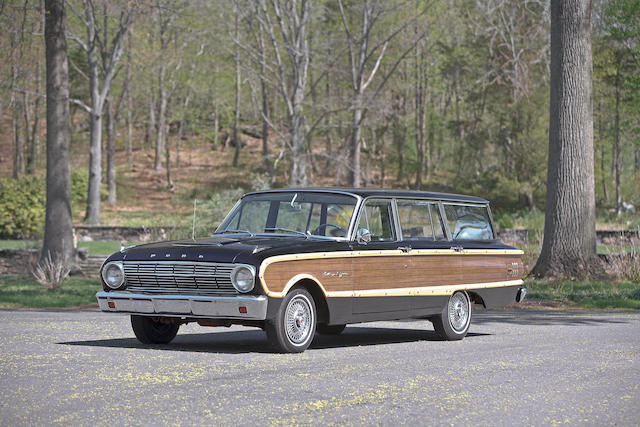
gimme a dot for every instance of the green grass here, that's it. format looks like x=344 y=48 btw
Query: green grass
x=20 y=244
x=96 y=247
x=21 y=291
x=102 y=247
x=591 y=294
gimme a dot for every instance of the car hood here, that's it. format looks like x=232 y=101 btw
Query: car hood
x=227 y=249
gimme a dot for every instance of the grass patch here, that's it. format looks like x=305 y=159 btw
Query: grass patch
x=591 y=294
x=20 y=244
x=102 y=247
x=21 y=291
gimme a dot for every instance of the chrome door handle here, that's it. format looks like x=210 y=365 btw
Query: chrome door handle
x=405 y=249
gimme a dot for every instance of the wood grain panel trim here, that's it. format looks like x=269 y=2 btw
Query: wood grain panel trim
x=284 y=271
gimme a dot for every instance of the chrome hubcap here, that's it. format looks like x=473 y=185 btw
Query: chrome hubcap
x=298 y=319
x=458 y=311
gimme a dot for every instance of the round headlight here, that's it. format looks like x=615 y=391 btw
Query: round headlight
x=243 y=278
x=113 y=274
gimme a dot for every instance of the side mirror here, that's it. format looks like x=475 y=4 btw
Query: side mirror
x=363 y=236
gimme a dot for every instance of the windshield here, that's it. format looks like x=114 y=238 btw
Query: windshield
x=304 y=213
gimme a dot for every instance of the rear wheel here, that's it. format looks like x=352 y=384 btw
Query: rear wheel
x=150 y=330
x=293 y=328
x=453 y=323
x=330 y=329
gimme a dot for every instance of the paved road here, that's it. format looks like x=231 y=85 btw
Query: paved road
x=515 y=367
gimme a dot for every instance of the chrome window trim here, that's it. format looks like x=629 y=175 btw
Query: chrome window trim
x=361 y=207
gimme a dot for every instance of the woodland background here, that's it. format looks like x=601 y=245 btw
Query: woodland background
x=206 y=99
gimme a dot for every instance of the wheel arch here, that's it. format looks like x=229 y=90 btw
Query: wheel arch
x=476 y=298
x=318 y=294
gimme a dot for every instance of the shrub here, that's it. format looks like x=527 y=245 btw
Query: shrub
x=23 y=200
x=50 y=273
x=506 y=221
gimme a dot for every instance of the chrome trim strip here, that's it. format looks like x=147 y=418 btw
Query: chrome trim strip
x=184 y=305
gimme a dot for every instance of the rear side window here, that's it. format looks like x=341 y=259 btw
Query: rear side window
x=467 y=222
x=419 y=219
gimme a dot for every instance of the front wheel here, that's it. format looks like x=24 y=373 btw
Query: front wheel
x=154 y=331
x=453 y=323
x=293 y=328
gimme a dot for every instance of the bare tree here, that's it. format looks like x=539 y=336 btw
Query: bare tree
x=288 y=35
x=569 y=246
x=364 y=55
x=99 y=91
x=58 y=233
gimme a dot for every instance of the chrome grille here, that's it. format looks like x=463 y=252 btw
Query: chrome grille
x=179 y=277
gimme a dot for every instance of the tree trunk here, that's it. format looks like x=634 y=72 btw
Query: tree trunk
x=569 y=246
x=92 y=215
x=151 y=124
x=18 y=140
x=167 y=154
x=298 y=176
x=399 y=134
x=129 y=102
x=616 y=145
x=58 y=233
x=111 y=151
x=236 y=112
x=265 y=131
x=162 y=113
x=354 y=145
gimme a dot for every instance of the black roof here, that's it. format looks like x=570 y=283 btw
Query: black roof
x=373 y=192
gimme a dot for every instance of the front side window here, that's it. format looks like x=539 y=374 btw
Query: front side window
x=468 y=222
x=318 y=214
x=377 y=217
x=420 y=219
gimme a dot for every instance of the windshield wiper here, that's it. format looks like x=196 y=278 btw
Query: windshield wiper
x=287 y=230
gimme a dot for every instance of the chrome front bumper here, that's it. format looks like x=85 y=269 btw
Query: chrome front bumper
x=237 y=307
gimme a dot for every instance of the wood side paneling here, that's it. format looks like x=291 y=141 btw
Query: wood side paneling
x=362 y=273
x=278 y=274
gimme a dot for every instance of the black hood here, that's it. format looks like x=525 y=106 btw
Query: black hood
x=228 y=249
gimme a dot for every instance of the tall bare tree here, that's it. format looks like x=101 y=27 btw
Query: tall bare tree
x=365 y=57
x=288 y=35
x=58 y=234
x=569 y=246
x=99 y=90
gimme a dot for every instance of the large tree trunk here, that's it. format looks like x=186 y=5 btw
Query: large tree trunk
x=58 y=234
x=569 y=246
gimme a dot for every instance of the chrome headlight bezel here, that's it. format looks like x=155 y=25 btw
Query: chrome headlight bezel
x=105 y=271
x=243 y=285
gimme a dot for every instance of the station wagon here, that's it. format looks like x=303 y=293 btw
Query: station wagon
x=296 y=262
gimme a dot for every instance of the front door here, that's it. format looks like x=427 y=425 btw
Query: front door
x=380 y=266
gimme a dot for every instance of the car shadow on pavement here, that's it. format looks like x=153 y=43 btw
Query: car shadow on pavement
x=548 y=317
x=255 y=341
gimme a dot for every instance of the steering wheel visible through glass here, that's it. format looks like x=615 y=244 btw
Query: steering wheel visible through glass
x=334 y=233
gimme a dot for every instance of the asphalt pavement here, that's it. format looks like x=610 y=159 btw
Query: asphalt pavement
x=516 y=367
